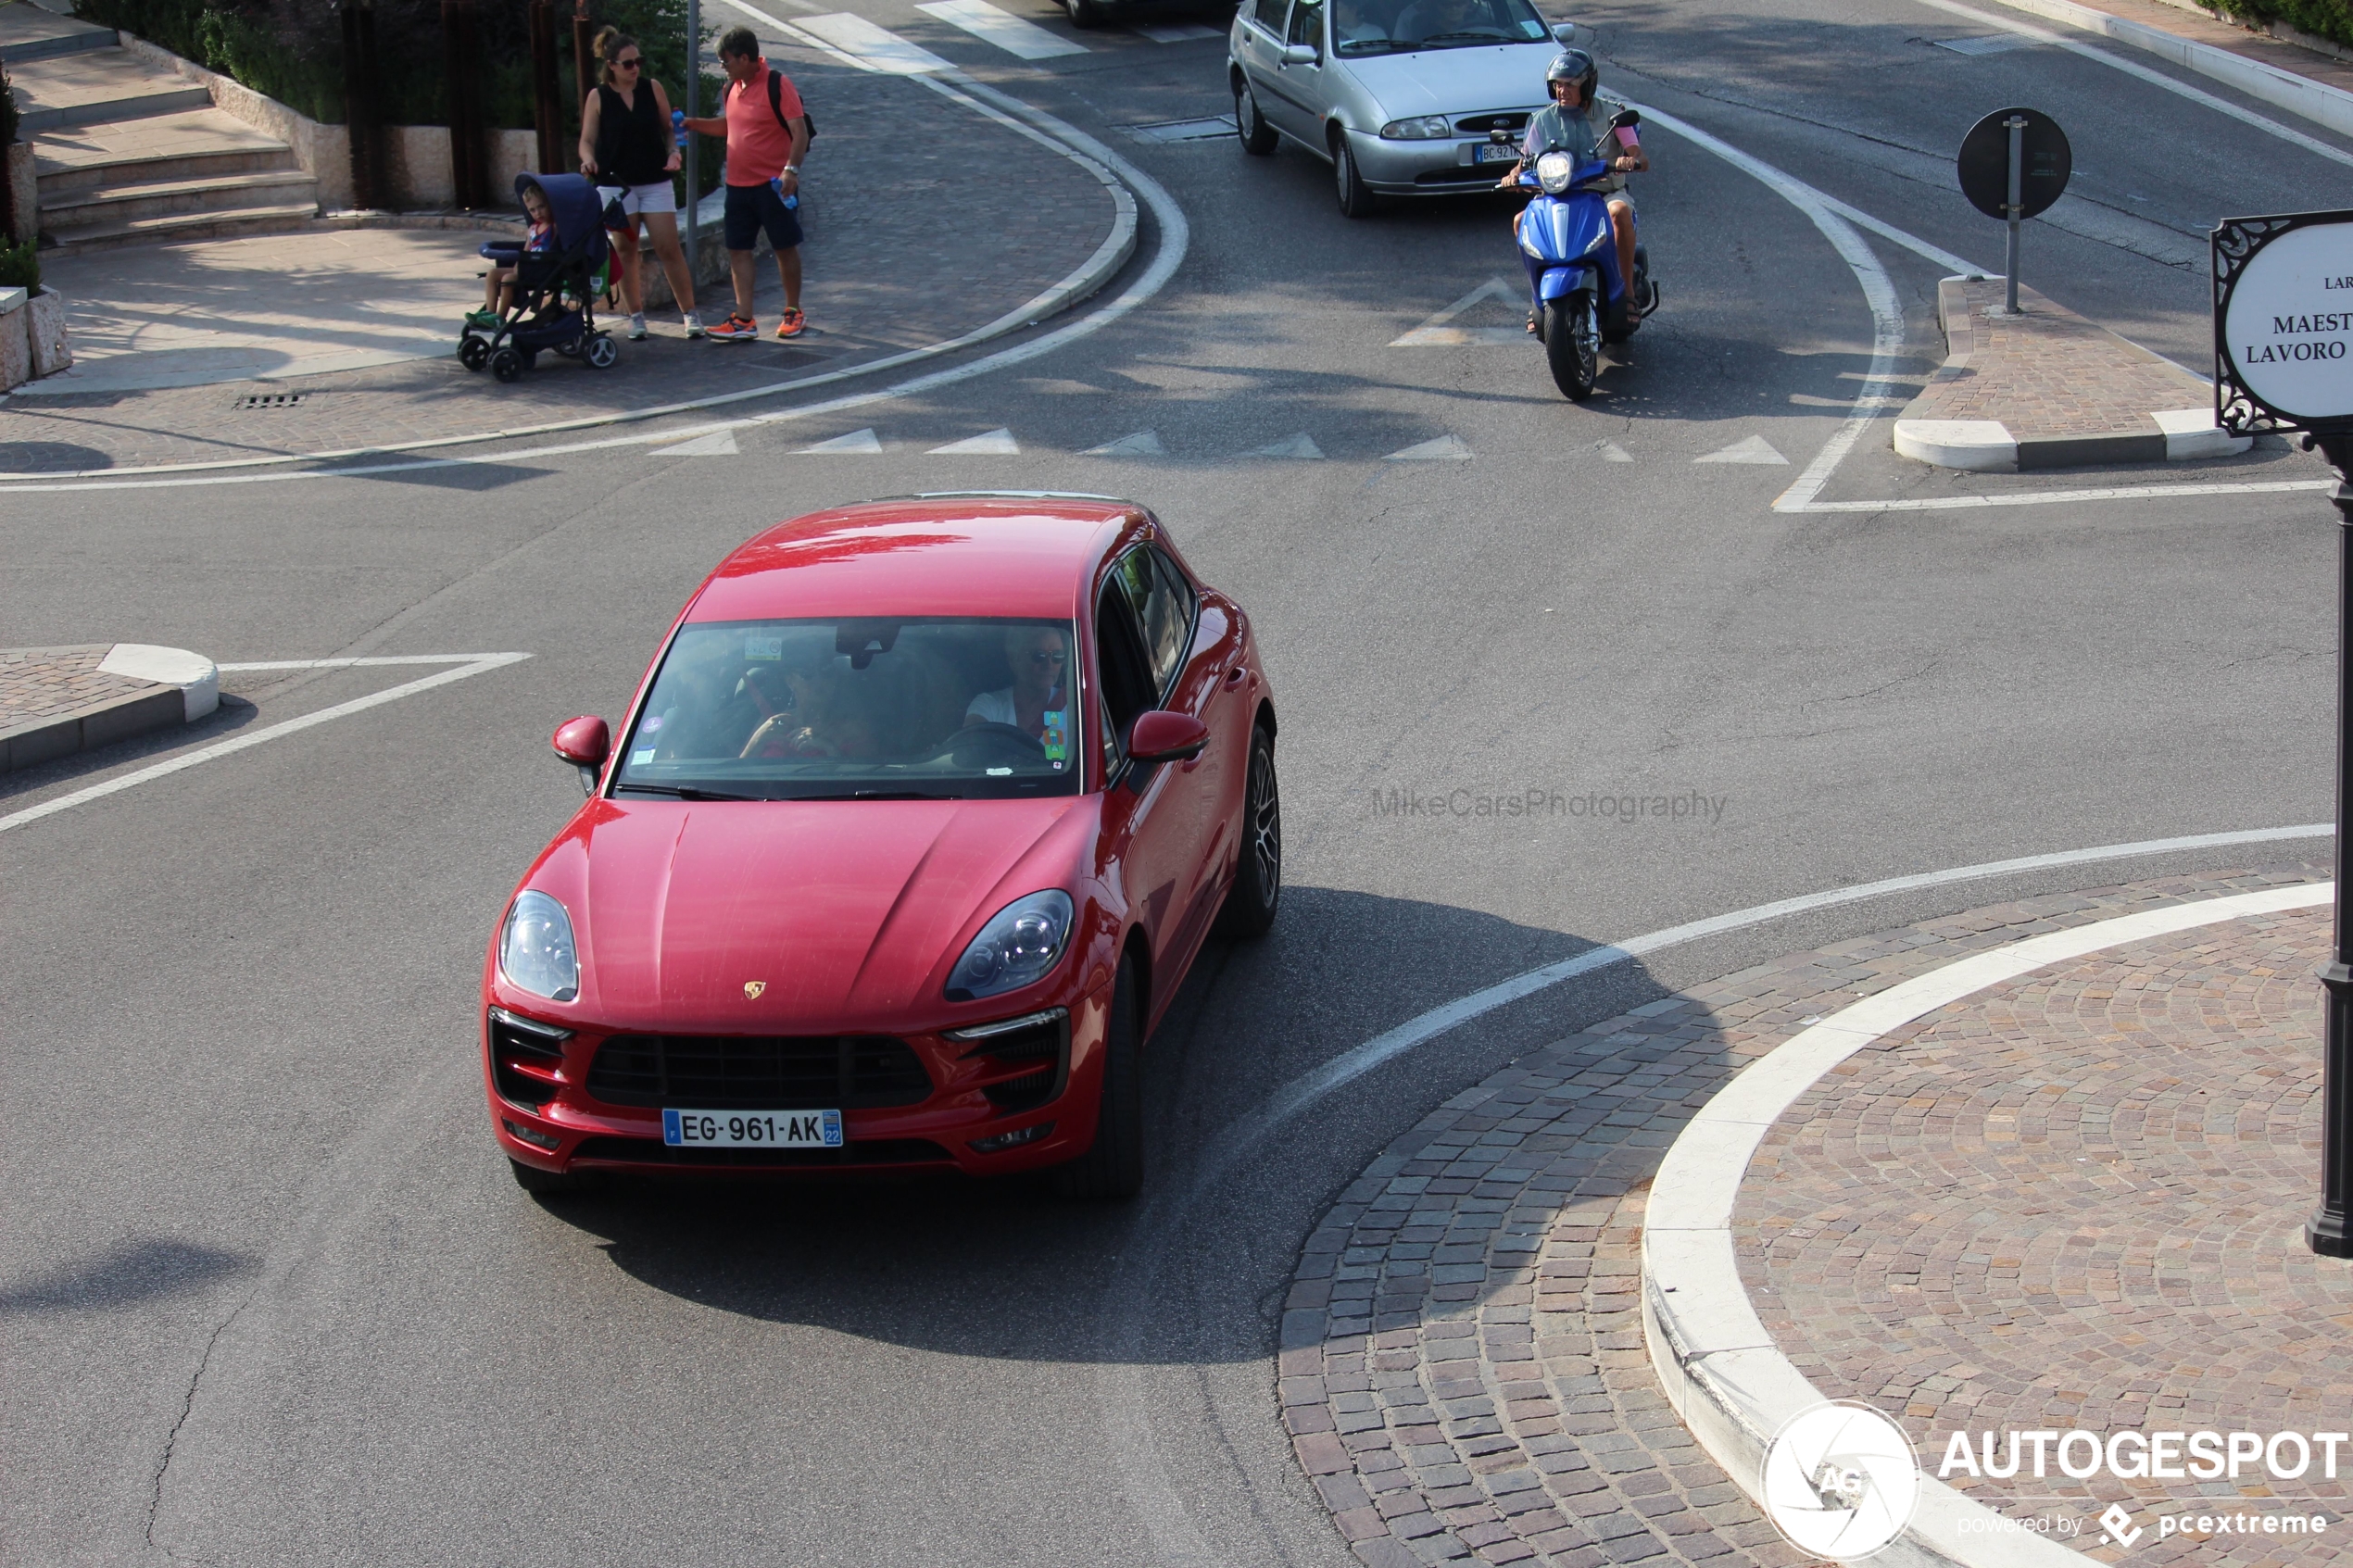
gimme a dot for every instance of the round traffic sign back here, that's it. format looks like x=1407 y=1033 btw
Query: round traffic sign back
x=2042 y=169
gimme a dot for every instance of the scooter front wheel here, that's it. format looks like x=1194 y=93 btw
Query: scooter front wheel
x=1573 y=343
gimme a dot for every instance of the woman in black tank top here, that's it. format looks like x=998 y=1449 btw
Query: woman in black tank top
x=625 y=140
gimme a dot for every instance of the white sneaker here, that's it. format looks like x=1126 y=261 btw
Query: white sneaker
x=694 y=324
x=637 y=327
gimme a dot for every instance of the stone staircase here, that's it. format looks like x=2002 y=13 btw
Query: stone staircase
x=129 y=153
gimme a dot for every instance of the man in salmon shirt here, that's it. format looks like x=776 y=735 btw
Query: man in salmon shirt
x=767 y=134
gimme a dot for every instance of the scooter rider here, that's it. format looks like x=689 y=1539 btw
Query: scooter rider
x=1577 y=121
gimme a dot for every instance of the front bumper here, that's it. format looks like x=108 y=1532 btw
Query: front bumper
x=1425 y=169
x=546 y=1110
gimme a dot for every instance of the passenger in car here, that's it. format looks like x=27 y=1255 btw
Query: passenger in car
x=1041 y=660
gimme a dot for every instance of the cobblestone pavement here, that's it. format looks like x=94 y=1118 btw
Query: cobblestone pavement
x=2049 y=373
x=889 y=173
x=41 y=684
x=2073 y=1203
x=2240 y=39
x=1462 y=1366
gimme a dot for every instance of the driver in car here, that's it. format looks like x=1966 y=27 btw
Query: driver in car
x=1426 y=20
x=1576 y=121
x=1038 y=703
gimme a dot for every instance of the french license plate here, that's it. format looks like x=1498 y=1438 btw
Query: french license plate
x=1498 y=152
x=751 y=1129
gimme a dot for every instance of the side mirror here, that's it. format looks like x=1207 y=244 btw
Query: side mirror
x=1626 y=120
x=1163 y=736
x=1563 y=32
x=1300 y=55
x=584 y=742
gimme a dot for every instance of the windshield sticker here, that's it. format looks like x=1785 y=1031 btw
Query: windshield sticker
x=1057 y=736
x=653 y=723
x=642 y=756
x=759 y=646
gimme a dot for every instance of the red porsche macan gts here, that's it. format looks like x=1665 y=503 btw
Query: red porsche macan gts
x=918 y=819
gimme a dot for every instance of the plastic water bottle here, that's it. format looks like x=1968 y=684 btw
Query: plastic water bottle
x=778 y=185
x=678 y=128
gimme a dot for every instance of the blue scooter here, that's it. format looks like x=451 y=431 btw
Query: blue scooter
x=1571 y=256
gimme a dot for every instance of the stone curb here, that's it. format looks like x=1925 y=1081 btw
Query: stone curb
x=2171 y=435
x=1722 y=1373
x=177 y=687
x=2315 y=101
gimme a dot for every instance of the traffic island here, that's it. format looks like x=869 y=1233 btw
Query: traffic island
x=54 y=702
x=2047 y=389
x=2068 y=1203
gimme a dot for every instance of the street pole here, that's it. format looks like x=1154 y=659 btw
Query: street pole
x=2330 y=1230
x=547 y=109
x=2016 y=124
x=694 y=143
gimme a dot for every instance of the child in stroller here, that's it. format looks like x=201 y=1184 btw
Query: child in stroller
x=546 y=297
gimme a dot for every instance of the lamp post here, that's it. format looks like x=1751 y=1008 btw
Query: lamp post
x=2329 y=1231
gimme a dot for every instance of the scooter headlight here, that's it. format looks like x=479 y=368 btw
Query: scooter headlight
x=1553 y=173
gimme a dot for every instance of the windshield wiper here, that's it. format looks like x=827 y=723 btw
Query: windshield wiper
x=1483 y=33
x=689 y=793
x=879 y=794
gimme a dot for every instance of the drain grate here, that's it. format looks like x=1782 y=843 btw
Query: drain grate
x=271 y=400
x=1182 y=129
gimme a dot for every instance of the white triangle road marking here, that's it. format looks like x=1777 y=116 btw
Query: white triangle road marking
x=998 y=442
x=1446 y=448
x=1756 y=449
x=1177 y=32
x=1143 y=444
x=718 y=444
x=858 y=440
x=1299 y=445
x=1025 y=40
x=1435 y=333
x=1612 y=452
x=860 y=43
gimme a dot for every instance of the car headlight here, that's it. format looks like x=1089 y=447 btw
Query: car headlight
x=1426 y=128
x=535 y=950
x=1016 y=948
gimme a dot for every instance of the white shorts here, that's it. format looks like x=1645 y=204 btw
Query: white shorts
x=656 y=196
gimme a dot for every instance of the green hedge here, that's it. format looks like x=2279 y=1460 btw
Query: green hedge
x=292 y=50
x=2331 y=19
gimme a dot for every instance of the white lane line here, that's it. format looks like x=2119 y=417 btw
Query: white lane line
x=1721 y=1369
x=2156 y=78
x=1125 y=1403
x=875 y=48
x=2052 y=497
x=365 y=662
x=1025 y=39
x=478 y=664
x=1438 y=331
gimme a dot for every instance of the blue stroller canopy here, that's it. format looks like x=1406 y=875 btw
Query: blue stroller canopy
x=580 y=216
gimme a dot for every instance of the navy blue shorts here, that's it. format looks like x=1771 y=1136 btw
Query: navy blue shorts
x=751 y=209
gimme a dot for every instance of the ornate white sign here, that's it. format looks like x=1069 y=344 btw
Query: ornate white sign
x=2283 y=321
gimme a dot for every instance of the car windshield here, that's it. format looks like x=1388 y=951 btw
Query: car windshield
x=1381 y=27
x=877 y=708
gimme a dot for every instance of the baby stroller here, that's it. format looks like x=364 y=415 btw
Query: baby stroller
x=556 y=289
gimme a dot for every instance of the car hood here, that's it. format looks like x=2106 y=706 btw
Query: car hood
x=842 y=915
x=1450 y=82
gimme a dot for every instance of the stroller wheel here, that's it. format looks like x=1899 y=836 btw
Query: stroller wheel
x=508 y=365
x=601 y=352
x=473 y=353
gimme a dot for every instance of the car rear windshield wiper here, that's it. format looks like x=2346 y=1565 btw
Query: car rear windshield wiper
x=684 y=793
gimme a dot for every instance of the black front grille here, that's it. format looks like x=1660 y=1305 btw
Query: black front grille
x=857 y=1152
x=518 y=1045
x=757 y=1072
x=1480 y=124
x=1044 y=1048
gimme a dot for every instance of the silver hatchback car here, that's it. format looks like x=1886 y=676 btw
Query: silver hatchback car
x=1402 y=96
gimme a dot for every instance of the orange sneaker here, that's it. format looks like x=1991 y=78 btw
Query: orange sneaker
x=734 y=329
x=792 y=323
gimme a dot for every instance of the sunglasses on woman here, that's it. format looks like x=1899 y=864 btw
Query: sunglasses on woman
x=632 y=63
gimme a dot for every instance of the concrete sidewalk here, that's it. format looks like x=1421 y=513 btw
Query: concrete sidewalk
x=2047 y=389
x=54 y=702
x=334 y=341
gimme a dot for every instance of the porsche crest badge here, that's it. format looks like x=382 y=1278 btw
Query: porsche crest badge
x=752 y=989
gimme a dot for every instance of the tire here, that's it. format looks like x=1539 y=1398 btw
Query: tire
x=1113 y=1168
x=1356 y=199
x=1258 y=137
x=506 y=364
x=1082 y=13
x=1258 y=877
x=473 y=353
x=601 y=352
x=1573 y=343
x=547 y=1184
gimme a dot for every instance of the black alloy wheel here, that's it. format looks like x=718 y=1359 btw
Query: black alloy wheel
x=1573 y=343
x=1258 y=137
x=1113 y=1168
x=1356 y=199
x=1258 y=878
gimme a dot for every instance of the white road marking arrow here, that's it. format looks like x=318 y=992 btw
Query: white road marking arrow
x=719 y=444
x=995 y=444
x=1612 y=452
x=1299 y=445
x=1143 y=444
x=1445 y=449
x=1436 y=332
x=858 y=440
x=1756 y=449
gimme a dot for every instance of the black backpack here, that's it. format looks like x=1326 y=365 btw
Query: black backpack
x=776 y=105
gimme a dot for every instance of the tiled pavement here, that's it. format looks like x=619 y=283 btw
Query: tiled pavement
x=1462 y=1365
x=2073 y=1201
x=2048 y=372
x=43 y=683
x=890 y=173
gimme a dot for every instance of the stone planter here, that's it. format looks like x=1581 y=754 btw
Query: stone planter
x=45 y=328
x=24 y=190
x=15 y=344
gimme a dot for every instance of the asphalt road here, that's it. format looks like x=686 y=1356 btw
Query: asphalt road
x=267 y=1294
